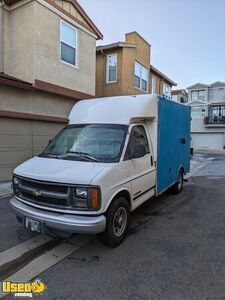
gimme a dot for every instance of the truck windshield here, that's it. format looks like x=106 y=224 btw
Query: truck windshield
x=91 y=142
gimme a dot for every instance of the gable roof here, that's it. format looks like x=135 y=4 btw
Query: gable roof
x=197 y=86
x=175 y=92
x=86 y=17
x=202 y=85
x=78 y=14
x=197 y=103
x=163 y=76
x=115 y=46
x=217 y=83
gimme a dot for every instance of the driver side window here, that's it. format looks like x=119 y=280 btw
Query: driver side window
x=137 y=136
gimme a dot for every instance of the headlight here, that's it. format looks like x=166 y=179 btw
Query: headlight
x=80 y=197
x=87 y=198
x=81 y=193
x=16 y=185
x=16 y=181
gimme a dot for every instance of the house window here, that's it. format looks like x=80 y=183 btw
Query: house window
x=111 y=68
x=153 y=85
x=217 y=114
x=198 y=95
x=221 y=91
x=211 y=94
x=140 y=77
x=68 y=41
x=201 y=95
x=194 y=95
x=166 y=89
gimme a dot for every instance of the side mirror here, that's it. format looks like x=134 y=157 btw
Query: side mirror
x=137 y=151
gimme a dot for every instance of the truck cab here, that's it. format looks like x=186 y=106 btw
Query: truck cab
x=98 y=169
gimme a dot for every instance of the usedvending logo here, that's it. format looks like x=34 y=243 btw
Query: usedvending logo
x=23 y=289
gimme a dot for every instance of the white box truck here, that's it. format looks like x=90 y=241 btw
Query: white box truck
x=115 y=154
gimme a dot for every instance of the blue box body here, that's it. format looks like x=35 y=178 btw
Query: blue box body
x=172 y=153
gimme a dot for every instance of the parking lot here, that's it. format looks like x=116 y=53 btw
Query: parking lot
x=174 y=250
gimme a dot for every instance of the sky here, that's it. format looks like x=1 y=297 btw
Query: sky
x=187 y=37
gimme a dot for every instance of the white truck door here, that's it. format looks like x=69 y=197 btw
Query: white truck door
x=142 y=169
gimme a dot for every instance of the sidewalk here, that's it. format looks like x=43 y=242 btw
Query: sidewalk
x=5 y=188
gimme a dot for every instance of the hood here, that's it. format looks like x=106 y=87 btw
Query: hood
x=58 y=170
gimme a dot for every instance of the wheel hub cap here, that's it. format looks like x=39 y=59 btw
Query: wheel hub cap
x=119 y=221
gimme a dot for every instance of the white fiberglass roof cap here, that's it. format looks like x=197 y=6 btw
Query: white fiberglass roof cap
x=114 y=110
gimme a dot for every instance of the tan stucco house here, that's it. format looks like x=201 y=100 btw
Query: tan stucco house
x=180 y=95
x=124 y=68
x=47 y=63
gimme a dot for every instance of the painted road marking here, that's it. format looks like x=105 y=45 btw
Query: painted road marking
x=48 y=259
x=18 y=250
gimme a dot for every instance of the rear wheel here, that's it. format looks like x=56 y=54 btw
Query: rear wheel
x=117 y=222
x=178 y=186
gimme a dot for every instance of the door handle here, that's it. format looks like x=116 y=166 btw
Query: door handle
x=151 y=160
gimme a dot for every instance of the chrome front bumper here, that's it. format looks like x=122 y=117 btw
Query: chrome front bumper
x=59 y=221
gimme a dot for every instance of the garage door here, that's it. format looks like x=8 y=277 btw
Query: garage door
x=20 y=140
x=207 y=140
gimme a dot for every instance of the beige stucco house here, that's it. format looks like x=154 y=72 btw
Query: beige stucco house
x=124 y=68
x=47 y=63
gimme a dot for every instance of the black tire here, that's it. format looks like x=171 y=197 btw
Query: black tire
x=178 y=186
x=115 y=232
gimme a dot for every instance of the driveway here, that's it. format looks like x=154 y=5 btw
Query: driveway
x=175 y=248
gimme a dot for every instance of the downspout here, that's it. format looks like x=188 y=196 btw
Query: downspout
x=104 y=73
x=1 y=36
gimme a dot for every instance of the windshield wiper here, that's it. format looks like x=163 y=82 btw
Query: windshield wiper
x=53 y=155
x=80 y=154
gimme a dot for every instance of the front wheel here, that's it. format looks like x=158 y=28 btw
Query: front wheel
x=178 y=186
x=117 y=223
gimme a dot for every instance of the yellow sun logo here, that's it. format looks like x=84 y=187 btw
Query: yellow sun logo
x=37 y=287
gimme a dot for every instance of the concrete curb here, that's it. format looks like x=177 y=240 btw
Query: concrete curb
x=5 y=189
x=209 y=151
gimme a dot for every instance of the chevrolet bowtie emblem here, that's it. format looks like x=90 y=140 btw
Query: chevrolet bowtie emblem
x=37 y=193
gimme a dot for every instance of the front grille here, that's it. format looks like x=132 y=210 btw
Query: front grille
x=46 y=186
x=43 y=199
x=43 y=193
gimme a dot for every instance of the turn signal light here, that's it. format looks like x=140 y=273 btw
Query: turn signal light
x=94 y=198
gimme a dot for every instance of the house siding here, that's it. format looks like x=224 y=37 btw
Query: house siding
x=32 y=49
x=102 y=87
x=1 y=38
x=40 y=103
x=19 y=52
x=49 y=67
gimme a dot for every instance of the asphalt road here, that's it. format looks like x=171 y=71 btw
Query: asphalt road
x=175 y=248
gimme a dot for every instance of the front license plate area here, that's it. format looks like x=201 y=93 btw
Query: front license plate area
x=32 y=225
